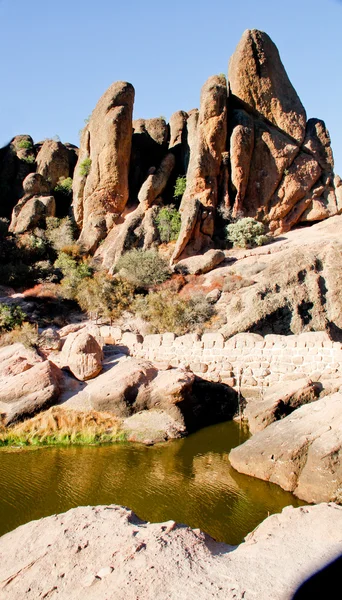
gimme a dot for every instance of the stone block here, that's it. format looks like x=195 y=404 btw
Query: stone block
x=199 y=367
x=187 y=340
x=211 y=340
x=131 y=339
x=115 y=333
x=297 y=360
x=249 y=381
x=229 y=381
x=153 y=340
x=168 y=339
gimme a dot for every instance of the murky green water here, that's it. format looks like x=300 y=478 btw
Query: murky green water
x=189 y=480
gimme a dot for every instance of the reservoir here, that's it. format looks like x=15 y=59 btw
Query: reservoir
x=188 y=480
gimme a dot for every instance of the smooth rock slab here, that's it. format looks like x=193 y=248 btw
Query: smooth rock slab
x=107 y=552
x=301 y=453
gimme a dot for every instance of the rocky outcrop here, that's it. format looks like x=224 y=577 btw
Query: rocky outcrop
x=53 y=162
x=82 y=354
x=27 y=384
x=108 y=552
x=30 y=212
x=156 y=182
x=17 y=160
x=301 y=453
x=201 y=263
x=101 y=181
x=257 y=77
x=200 y=198
x=292 y=285
x=279 y=401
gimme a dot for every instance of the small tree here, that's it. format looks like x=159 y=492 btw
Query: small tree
x=85 y=167
x=11 y=316
x=59 y=232
x=143 y=268
x=168 y=222
x=246 y=233
x=73 y=273
x=103 y=296
x=180 y=187
x=64 y=186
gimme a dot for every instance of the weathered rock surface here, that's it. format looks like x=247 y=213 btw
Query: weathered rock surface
x=108 y=552
x=200 y=198
x=293 y=285
x=279 y=401
x=241 y=150
x=301 y=453
x=101 y=196
x=258 y=78
x=156 y=182
x=30 y=212
x=27 y=384
x=53 y=162
x=202 y=263
x=16 y=162
x=82 y=354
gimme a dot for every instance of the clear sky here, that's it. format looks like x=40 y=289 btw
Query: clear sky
x=57 y=58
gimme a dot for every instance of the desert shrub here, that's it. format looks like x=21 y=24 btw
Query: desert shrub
x=59 y=233
x=143 y=268
x=73 y=272
x=30 y=159
x=24 y=144
x=64 y=186
x=26 y=334
x=85 y=167
x=166 y=311
x=104 y=296
x=168 y=222
x=179 y=187
x=246 y=233
x=11 y=316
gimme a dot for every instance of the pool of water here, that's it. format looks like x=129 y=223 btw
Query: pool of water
x=189 y=480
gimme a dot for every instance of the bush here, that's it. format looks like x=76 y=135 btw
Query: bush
x=30 y=159
x=166 y=311
x=25 y=334
x=180 y=187
x=11 y=316
x=246 y=233
x=143 y=268
x=103 y=296
x=24 y=144
x=168 y=222
x=73 y=272
x=64 y=186
x=85 y=167
x=59 y=233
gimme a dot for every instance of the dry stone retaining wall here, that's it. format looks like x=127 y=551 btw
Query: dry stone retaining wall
x=246 y=359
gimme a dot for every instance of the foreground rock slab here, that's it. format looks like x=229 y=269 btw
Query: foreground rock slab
x=107 y=552
x=301 y=453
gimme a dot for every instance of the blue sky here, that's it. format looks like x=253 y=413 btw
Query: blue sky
x=59 y=57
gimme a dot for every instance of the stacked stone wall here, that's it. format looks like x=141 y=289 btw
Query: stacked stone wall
x=246 y=359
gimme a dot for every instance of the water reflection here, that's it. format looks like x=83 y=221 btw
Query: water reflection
x=188 y=480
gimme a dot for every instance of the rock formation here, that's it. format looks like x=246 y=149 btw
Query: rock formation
x=300 y=453
x=108 y=552
x=101 y=174
x=35 y=205
x=248 y=151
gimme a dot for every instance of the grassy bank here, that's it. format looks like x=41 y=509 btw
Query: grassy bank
x=59 y=426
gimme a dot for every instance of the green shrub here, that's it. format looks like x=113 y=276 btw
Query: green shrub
x=167 y=311
x=59 y=232
x=85 y=167
x=246 y=233
x=104 y=296
x=168 y=222
x=64 y=186
x=26 y=334
x=180 y=187
x=30 y=159
x=73 y=272
x=11 y=316
x=24 y=144
x=143 y=268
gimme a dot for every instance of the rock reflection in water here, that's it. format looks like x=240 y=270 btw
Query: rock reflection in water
x=189 y=480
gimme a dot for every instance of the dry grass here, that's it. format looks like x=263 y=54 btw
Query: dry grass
x=63 y=426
